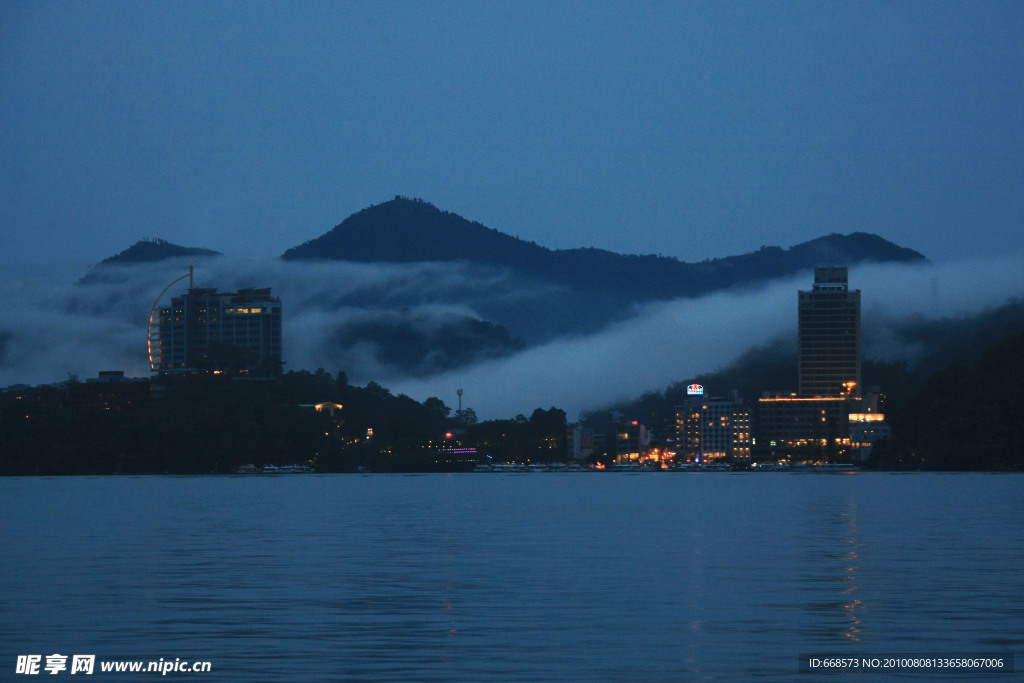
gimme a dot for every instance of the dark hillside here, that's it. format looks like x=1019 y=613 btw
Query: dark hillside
x=143 y=251
x=406 y=230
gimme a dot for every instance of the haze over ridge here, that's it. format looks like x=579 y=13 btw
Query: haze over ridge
x=64 y=328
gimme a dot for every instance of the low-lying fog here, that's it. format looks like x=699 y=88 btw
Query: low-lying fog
x=52 y=327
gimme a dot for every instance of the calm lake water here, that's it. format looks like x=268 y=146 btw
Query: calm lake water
x=571 y=576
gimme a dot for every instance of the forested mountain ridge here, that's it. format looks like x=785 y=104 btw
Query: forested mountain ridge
x=143 y=251
x=406 y=230
x=410 y=230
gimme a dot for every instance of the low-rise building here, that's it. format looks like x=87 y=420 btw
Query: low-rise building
x=818 y=428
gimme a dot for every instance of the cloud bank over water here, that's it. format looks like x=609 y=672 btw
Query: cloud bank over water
x=51 y=327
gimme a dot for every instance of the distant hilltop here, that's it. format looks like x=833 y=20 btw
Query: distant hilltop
x=143 y=251
x=407 y=230
x=156 y=250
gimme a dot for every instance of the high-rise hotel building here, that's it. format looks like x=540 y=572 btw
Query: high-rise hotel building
x=238 y=331
x=813 y=425
x=829 y=327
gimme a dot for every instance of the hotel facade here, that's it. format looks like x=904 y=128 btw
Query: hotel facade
x=829 y=328
x=238 y=332
x=830 y=418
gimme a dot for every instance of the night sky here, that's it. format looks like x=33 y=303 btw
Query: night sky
x=691 y=129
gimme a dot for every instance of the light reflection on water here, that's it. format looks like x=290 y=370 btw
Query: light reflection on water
x=661 y=576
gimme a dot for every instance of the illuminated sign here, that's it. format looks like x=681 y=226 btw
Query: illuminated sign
x=695 y=390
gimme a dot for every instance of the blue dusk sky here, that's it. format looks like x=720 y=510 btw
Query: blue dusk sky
x=691 y=129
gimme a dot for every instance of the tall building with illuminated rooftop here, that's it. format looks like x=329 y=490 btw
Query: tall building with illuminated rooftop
x=829 y=328
x=829 y=418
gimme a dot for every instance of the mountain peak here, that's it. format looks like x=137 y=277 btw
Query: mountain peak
x=146 y=251
x=404 y=230
x=143 y=251
x=853 y=248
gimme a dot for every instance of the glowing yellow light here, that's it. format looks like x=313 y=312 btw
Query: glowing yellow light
x=867 y=417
